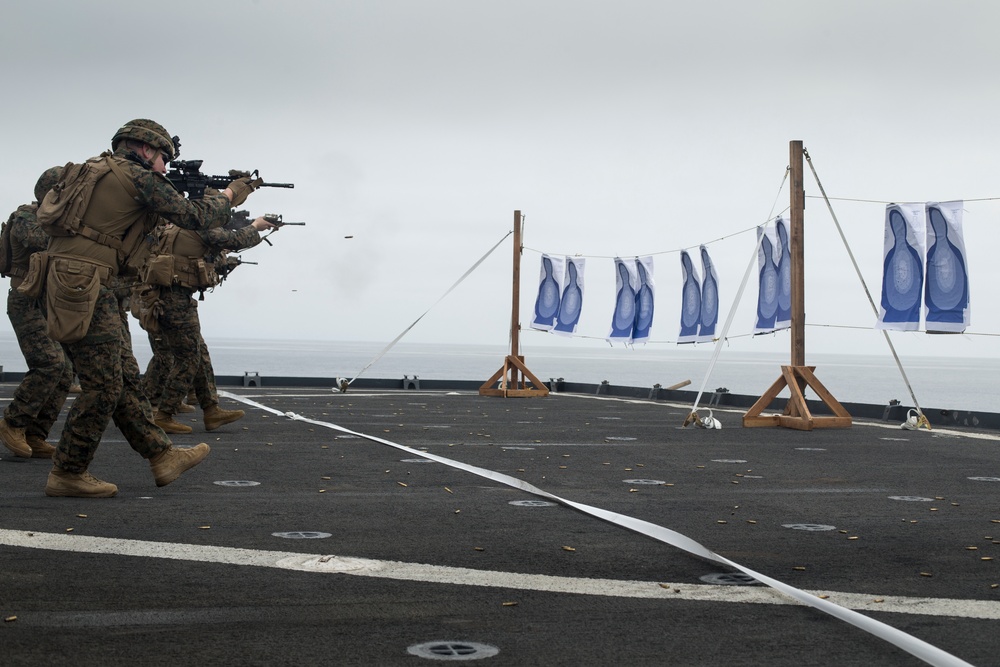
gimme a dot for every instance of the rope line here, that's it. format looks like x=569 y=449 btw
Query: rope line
x=749 y=229
x=852 y=327
x=648 y=342
x=407 y=329
x=658 y=252
x=897 y=201
x=848 y=326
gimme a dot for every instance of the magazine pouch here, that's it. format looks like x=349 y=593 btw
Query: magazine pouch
x=159 y=270
x=71 y=296
x=34 y=282
x=147 y=307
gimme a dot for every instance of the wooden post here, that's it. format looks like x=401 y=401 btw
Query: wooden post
x=797 y=376
x=515 y=300
x=797 y=245
x=513 y=378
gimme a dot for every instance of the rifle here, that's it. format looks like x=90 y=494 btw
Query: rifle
x=276 y=220
x=186 y=176
x=241 y=219
x=226 y=269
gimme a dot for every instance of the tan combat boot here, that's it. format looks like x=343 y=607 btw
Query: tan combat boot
x=65 y=484
x=184 y=407
x=165 y=420
x=216 y=417
x=171 y=462
x=40 y=449
x=13 y=439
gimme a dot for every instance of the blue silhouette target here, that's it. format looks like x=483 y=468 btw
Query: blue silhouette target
x=709 y=298
x=902 y=268
x=946 y=296
x=549 y=291
x=623 y=319
x=644 y=300
x=783 y=316
x=767 y=284
x=571 y=304
x=690 y=300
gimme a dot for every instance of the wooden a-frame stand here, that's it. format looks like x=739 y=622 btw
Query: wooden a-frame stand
x=797 y=376
x=514 y=379
x=797 y=414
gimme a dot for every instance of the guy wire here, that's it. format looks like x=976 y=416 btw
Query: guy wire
x=407 y=329
x=857 y=269
x=736 y=301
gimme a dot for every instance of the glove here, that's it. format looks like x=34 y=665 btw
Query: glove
x=242 y=187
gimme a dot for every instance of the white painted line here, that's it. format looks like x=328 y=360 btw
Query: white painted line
x=460 y=576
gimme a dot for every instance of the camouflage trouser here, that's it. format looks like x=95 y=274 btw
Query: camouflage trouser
x=109 y=380
x=204 y=379
x=40 y=397
x=179 y=339
x=157 y=369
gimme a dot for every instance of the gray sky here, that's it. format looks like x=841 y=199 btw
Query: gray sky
x=624 y=128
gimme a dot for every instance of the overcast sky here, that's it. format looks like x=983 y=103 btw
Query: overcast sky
x=624 y=127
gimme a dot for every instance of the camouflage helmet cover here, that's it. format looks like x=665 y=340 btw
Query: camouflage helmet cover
x=148 y=132
x=47 y=181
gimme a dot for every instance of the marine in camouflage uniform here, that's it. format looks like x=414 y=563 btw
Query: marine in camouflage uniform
x=203 y=392
x=162 y=358
x=157 y=369
x=39 y=398
x=180 y=356
x=135 y=194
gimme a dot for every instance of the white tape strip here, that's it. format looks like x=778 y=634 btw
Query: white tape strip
x=917 y=647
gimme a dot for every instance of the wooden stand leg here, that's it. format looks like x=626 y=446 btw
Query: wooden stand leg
x=514 y=378
x=797 y=414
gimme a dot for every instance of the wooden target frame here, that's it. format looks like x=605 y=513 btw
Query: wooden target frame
x=514 y=380
x=797 y=376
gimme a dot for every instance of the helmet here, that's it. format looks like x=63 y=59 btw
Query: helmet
x=148 y=132
x=46 y=181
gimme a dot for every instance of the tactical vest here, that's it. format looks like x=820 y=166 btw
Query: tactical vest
x=178 y=259
x=112 y=226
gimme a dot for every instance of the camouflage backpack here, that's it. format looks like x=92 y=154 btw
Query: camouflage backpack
x=63 y=208
x=61 y=211
x=7 y=268
x=6 y=254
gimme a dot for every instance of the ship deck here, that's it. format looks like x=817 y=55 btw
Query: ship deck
x=392 y=527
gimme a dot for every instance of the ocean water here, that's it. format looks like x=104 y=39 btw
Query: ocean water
x=959 y=383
